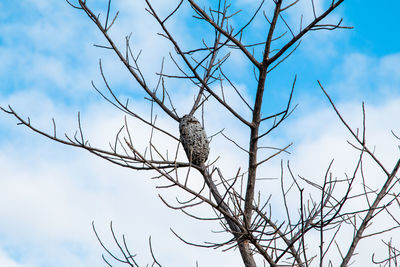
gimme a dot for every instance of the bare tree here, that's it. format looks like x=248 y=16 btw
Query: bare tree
x=255 y=231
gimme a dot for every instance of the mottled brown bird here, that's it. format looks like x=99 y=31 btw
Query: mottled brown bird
x=194 y=140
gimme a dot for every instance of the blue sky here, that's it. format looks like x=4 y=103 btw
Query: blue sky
x=50 y=193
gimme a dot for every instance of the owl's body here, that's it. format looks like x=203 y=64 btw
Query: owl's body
x=194 y=140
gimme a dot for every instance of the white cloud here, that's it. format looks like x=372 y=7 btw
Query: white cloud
x=370 y=77
x=6 y=261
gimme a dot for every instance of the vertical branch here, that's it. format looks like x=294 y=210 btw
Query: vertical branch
x=271 y=31
x=256 y=122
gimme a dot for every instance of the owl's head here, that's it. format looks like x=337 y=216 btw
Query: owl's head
x=187 y=120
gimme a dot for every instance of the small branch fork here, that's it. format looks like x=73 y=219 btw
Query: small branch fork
x=126 y=256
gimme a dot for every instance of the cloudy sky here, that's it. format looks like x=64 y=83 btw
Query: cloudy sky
x=50 y=193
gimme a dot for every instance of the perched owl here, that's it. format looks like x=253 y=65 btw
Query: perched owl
x=194 y=139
